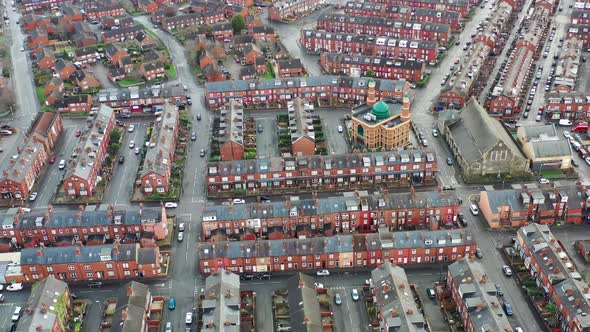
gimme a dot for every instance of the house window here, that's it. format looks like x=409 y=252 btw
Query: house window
x=89 y=275
x=74 y=275
x=87 y=267
x=35 y=276
x=111 y=273
x=71 y=267
x=33 y=269
x=50 y=269
x=127 y=273
x=125 y=265
x=109 y=266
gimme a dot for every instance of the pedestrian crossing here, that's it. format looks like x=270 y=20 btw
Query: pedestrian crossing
x=9 y=304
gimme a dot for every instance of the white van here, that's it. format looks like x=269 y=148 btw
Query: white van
x=565 y=122
x=16 y=314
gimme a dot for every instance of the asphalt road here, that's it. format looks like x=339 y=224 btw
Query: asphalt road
x=267 y=139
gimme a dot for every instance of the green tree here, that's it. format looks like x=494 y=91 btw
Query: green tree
x=238 y=23
x=113 y=148
x=115 y=135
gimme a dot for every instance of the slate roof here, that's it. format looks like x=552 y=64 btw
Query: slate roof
x=575 y=298
x=300 y=122
x=475 y=132
x=243 y=39
x=84 y=51
x=158 y=158
x=334 y=244
x=290 y=64
x=134 y=298
x=375 y=61
x=395 y=300
x=372 y=21
x=85 y=151
x=222 y=302
x=20 y=164
x=49 y=293
x=303 y=303
x=247 y=71
x=370 y=40
x=87 y=254
x=479 y=295
x=231 y=125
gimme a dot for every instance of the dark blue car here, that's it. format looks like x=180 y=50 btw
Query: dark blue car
x=508 y=309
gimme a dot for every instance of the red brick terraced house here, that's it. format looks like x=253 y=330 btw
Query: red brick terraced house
x=33 y=5
x=74 y=104
x=48 y=307
x=325 y=88
x=290 y=9
x=186 y=21
x=289 y=68
x=335 y=172
x=97 y=13
x=86 y=55
x=38 y=38
x=50 y=228
x=397 y=309
x=316 y=42
x=550 y=266
x=46 y=129
x=84 y=263
x=137 y=309
x=44 y=58
x=574 y=106
x=85 y=165
x=355 y=8
x=32 y=21
x=476 y=297
x=20 y=174
x=384 y=27
x=232 y=140
x=301 y=127
x=509 y=95
x=152 y=70
x=355 y=212
x=582 y=32
x=123 y=34
x=461 y=85
x=264 y=34
x=547 y=205
x=139 y=99
x=335 y=252
x=460 y=6
x=382 y=67
x=243 y=3
x=583 y=248
x=452 y=18
x=223 y=31
x=157 y=165
x=581 y=17
x=220 y=302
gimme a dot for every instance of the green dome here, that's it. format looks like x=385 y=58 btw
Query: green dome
x=381 y=110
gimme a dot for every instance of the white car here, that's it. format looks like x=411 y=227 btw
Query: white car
x=24 y=210
x=319 y=285
x=587 y=160
x=168 y=327
x=181 y=227
x=340 y=129
x=131 y=128
x=189 y=318
x=14 y=287
x=239 y=201
x=507 y=270
x=62 y=164
x=136 y=150
x=543 y=181
x=1 y=287
x=474 y=210
x=567 y=135
x=33 y=196
x=170 y=204
x=324 y=273
x=131 y=144
x=355 y=294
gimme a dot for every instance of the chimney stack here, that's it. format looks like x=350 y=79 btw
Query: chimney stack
x=78 y=251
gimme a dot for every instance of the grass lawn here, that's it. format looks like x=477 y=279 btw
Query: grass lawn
x=270 y=73
x=126 y=83
x=68 y=84
x=554 y=173
x=41 y=95
x=171 y=72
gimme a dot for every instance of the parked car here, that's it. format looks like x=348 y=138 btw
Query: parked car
x=181 y=227
x=449 y=161
x=265 y=199
x=238 y=201
x=14 y=287
x=478 y=252
x=507 y=271
x=168 y=327
x=355 y=294
x=435 y=132
x=474 y=210
x=16 y=314
x=202 y=153
x=337 y=299
x=33 y=196
x=170 y=204
x=62 y=164
x=508 y=309
x=265 y=276
x=543 y=181
x=131 y=128
x=323 y=273
x=188 y=318
x=180 y=236
x=121 y=159
x=95 y=284
x=78 y=133
x=499 y=290
x=340 y=129
x=193 y=136
x=132 y=144
x=52 y=159
x=430 y=292
x=247 y=277
x=137 y=150
x=172 y=303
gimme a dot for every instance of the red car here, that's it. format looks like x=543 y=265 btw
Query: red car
x=78 y=133
x=52 y=159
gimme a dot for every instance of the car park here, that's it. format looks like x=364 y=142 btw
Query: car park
x=355 y=294
x=323 y=273
x=507 y=271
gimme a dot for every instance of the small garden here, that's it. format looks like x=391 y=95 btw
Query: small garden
x=280 y=309
x=77 y=315
x=247 y=310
